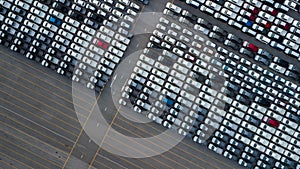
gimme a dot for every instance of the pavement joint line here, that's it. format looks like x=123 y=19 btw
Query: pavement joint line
x=110 y=160
x=38 y=77
x=91 y=163
x=43 y=119
x=13 y=159
x=82 y=129
x=178 y=148
x=124 y=159
x=36 y=139
x=45 y=90
x=40 y=72
x=25 y=157
x=20 y=147
x=34 y=131
x=164 y=156
x=36 y=123
x=38 y=148
x=46 y=105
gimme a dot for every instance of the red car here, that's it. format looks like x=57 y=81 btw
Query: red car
x=271 y=121
x=102 y=44
x=250 y=46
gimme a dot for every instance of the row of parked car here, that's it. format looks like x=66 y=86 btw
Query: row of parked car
x=267 y=20
x=242 y=116
x=82 y=40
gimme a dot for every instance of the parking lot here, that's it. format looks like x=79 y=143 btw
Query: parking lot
x=249 y=113
x=149 y=92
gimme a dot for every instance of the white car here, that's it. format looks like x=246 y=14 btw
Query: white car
x=52 y=27
x=119 y=45
x=122 y=39
x=115 y=51
x=68 y=28
x=37 y=12
x=72 y=21
x=173 y=7
x=87 y=29
x=107 y=31
x=57 y=14
x=263 y=38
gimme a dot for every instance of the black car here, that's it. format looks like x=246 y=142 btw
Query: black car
x=216 y=37
x=247 y=52
x=231 y=44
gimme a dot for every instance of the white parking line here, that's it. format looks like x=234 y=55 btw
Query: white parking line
x=114 y=78
x=72 y=141
x=137 y=45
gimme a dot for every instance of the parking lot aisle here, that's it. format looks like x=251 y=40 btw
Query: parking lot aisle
x=104 y=137
x=57 y=111
x=11 y=162
x=39 y=132
x=42 y=91
x=81 y=132
x=150 y=126
x=43 y=74
x=41 y=114
x=34 y=147
x=130 y=128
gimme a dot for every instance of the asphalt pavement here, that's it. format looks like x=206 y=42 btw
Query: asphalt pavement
x=40 y=128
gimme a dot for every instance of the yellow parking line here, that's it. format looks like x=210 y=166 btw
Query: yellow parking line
x=25 y=157
x=99 y=147
x=53 y=124
x=26 y=150
x=33 y=138
x=13 y=159
x=46 y=105
x=81 y=131
x=51 y=77
x=29 y=128
x=167 y=143
x=38 y=86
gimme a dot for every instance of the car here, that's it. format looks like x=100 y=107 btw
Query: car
x=204 y=23
x=207 y=10
x=247 y=52
x=173 y=7
x=263 y=38
x=272 y=122
x=285 y=17
x=262 y=60
x=223 y=18
x=229 y=13
x=290 y=44
x=231 y=44
x=215 y=149
x=216 y=36
x=278 y=46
